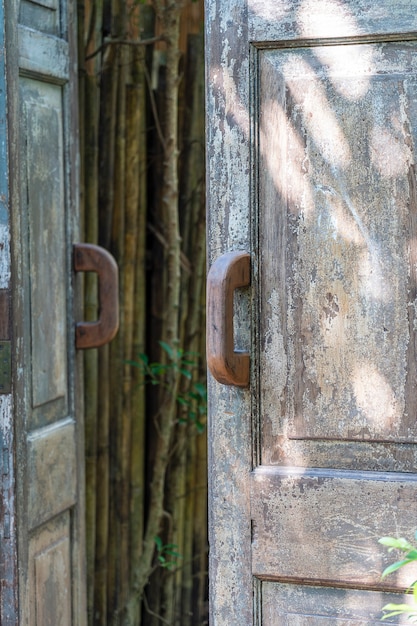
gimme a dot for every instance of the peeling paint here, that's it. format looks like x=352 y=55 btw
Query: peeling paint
x=334 y=221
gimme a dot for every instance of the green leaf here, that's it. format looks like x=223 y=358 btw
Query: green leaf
x=157 y=368
x=201 y=389
x=395 y=566
x=186 y=373
x=399 y=544
x=188 y=362
x=170 y=352
x=134 y=363
x=399 y=608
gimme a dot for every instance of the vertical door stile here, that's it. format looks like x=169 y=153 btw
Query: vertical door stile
x=229 y=424
x=8 y=539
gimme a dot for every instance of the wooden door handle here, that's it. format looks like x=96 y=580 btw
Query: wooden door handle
x=228 y=272
x=91 y=258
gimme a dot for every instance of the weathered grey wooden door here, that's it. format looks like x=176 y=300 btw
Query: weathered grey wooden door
x=312 y=134
x=42 y=463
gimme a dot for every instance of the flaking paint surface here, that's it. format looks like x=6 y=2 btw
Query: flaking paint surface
x=228 y=228
x=286 y=305
x=344 y=207
x=313 y=19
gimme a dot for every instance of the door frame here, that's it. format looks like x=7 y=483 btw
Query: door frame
x=9 y=610
x=229 y=227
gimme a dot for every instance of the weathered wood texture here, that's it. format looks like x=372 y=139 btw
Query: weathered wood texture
x=43 y=177
x=287 y=605
x=8 y=561
x=274 y=24
x=228 y=228
x=341 y=195
x=320 y=526
x=321 y=96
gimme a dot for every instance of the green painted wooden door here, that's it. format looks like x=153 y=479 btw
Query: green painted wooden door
x=46 y=504
x=312 y=134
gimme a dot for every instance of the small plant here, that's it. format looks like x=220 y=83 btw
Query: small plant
x=393 y=609
x=194 y=399
x=166 y=554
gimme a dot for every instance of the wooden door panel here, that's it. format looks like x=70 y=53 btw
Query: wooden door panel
x=50 y=575
x=337 y=341
x=339 y=288
x=42 y=135
x=41 y=15
x=288 y=605
x=328 y=524
x=51 y=465
x=338 y=208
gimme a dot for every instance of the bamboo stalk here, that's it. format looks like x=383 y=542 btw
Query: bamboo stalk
x=102 y=502
x=118 y=537
x=170 y=16
x=193 y=195
x=146 y=24
x=122 y=492
x=200 y=542
x=89 y=152
x=104 y=566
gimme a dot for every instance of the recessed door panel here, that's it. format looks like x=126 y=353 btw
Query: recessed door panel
x=42 y=15
x=337 y=182
x=50 y=575
x=288 y=605
x=45 y=160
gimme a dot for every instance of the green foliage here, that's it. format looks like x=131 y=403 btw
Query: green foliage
x=401 y=544
x=194 y=399
x=166 y=554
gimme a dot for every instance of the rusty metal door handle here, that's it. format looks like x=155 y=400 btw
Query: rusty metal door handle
x=91 y=258
x=228 y=272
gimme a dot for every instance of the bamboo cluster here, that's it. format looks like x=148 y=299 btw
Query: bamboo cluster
x=142 y=163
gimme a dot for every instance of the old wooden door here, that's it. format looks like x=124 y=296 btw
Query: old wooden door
x=312 y=131
x=42 y=541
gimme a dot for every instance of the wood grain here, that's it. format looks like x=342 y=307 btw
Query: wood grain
x=322 y=526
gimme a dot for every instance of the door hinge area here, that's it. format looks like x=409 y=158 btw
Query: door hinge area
x=5 y=367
